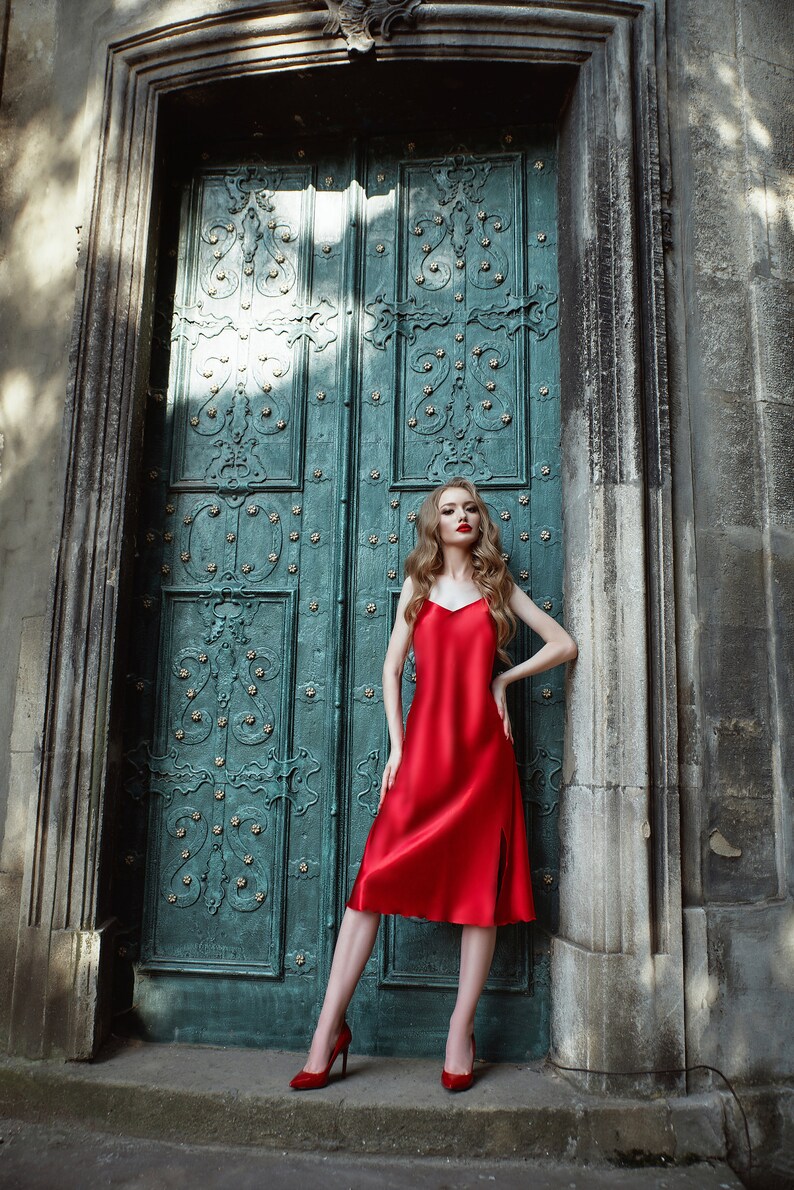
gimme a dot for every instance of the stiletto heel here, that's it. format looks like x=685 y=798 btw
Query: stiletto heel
x=307 y=1080
x=460 y=1082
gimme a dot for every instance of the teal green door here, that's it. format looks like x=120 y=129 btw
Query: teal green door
x=345 y=327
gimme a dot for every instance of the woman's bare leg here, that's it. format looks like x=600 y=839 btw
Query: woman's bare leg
x=477 y=945
x=354 y=945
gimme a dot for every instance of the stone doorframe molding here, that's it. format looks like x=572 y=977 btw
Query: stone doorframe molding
x=617 y=963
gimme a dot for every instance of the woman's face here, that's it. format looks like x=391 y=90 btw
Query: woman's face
x=458 y=518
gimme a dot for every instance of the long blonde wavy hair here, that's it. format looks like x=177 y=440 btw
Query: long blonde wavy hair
x=426 y=561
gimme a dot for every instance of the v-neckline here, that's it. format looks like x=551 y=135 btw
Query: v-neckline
x=452 y=610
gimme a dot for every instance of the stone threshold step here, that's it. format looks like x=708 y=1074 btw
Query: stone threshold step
x=396 y=1106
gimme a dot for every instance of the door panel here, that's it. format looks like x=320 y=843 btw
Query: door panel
x=348 y=327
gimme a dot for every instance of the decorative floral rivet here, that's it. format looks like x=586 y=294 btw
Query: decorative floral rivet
x=211 y=290
x=505 y=515
x=373 y=539
x=369 y=692
x=430 y=410
x=147 y=601
x=523 y=574
x=314 y=538
x=231 y=537
x=150 y=537
x=185 y=853
x=213 y=238
x=191 y=693
x=523 y=498
x=252 y=510
x=212 y=568
x=481 y=215
x=313 y=605
x=281 y=424
x=506 y=418
x=267 y=728
x=273 y=517
x=493 y=363
x=541 y=237
x=310 y=691
x=217 y=829
x=140 y=687
x=180 y=832
x=187 y=879
x=294 y=535
x=169 y=508
x=292 y=568
x=485 y=266
x=260 y=896
x=427 y=366
x=371 y=608
x=326 y=249
x=303 y=866
x=487 y=404
x=168 y=537
x=523 y=535
x=196 y=815
x=547 y=605
x=272 y=556
x=222 y=721
x=179 y=733
x=194 y=421
x=485 y=241
x=256 y=829
x=412 y=422
x=172 y=898
x=411 y=516
x=394 y=502
x=460 y=264
x=426 y=248
x=497 y=225
x=252 y=690
x=375 y=395
x=220 y=794
x=417 y=231
x=506 y=557
x=374 y=473
x=380 y=248
x=458 y=297
x=499 y=278
x=318 y=473
x=259 y=672
x=286 y=237
x=219 y=762
x=419 y=279
x=184 y=673
x=248 y=859
x=545 y=469
x=540 y=164
x=250 y=720
x=246 y=568
x=545 y=535
x=235 y=820
x=433 y=266
x=300 y=959
x=393 y=538
x=266 y=411
x=427 y=389
x=321 y=395
x=546 y=692
x=214 y=510
x=391 y=574
x=165 y=570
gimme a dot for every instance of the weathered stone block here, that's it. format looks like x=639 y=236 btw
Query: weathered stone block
x=749 y=825
x=766 y=30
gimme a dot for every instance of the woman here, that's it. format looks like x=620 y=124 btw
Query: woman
x=449 y=841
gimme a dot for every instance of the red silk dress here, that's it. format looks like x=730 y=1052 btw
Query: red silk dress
x=449 y=842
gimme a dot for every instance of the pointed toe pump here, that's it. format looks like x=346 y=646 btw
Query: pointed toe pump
x=307 y=1080
x=460 y=1082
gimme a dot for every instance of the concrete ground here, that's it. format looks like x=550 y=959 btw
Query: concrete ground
x=37 y=1157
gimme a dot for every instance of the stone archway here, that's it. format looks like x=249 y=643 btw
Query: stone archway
x=617 y=986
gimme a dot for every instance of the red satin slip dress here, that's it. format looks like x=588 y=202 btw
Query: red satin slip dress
x=449 y=842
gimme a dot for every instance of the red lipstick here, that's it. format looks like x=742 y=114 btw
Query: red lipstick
x=464 y=528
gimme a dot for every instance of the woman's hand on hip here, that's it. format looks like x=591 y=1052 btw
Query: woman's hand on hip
x=498 y=689
x=389 y=773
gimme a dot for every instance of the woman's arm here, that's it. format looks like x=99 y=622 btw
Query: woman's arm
x=558 y=646
x=393 y=665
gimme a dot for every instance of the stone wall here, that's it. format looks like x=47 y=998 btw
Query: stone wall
x=729 y=275
x=733 y=475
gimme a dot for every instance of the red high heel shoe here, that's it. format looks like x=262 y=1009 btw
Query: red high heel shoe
x=460 y=1082
x=307 y=1080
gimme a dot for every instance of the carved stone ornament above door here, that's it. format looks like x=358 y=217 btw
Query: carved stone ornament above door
x=359 y=20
